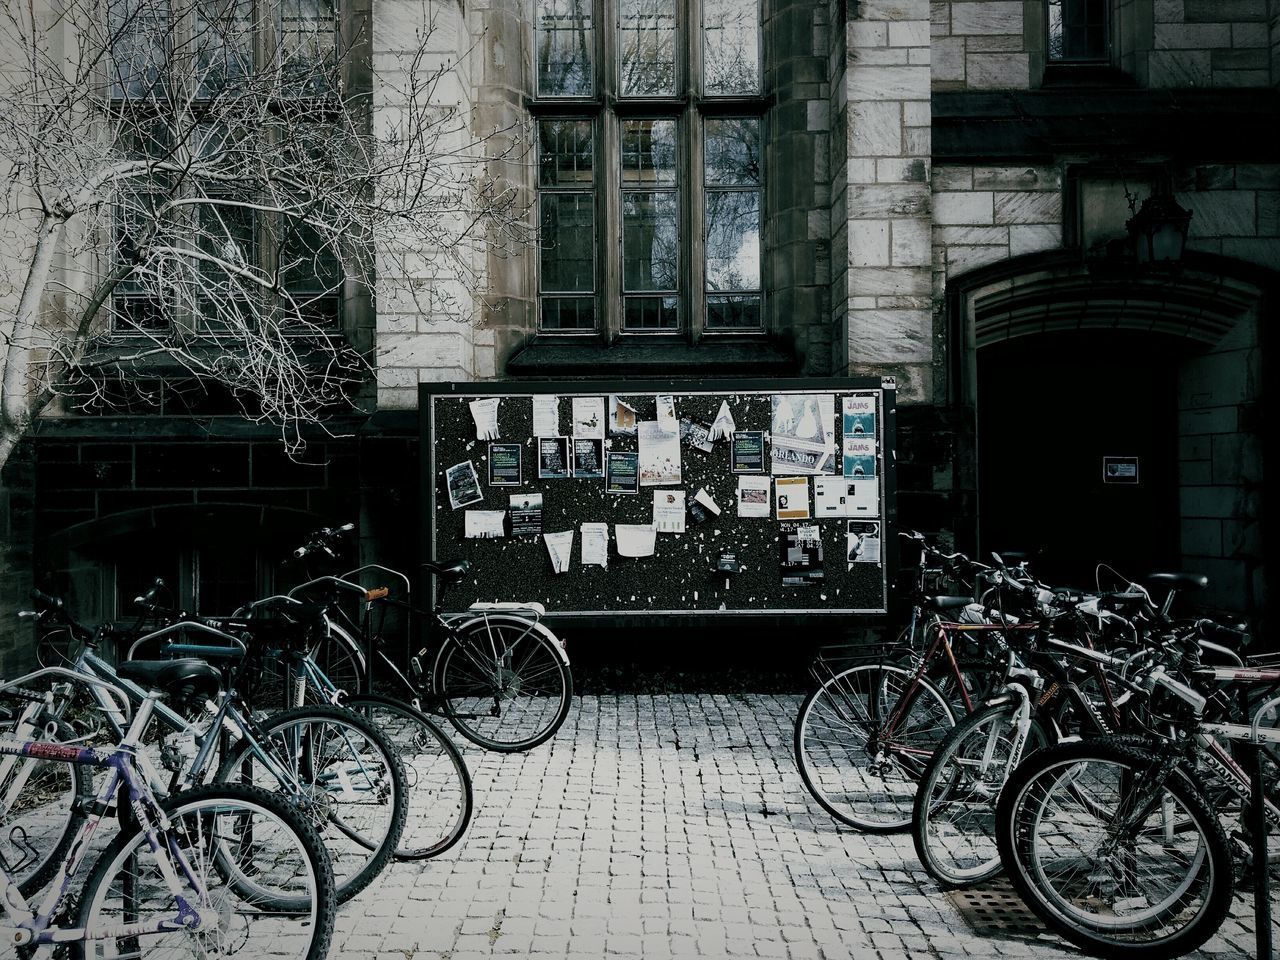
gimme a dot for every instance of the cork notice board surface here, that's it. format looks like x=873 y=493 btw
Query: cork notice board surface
x=681 y=577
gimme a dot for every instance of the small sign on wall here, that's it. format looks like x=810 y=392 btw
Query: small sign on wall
x=1120 y=470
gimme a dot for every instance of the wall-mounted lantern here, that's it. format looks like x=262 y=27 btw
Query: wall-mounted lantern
x=1158 y=231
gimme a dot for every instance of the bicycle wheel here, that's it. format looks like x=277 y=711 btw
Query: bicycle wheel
x=343 y=773
x=253 y=866
x=439 y=798
x=1111 y=860
x=953 y=820
x=39 y=809
x=502 y=684
x=863 y=739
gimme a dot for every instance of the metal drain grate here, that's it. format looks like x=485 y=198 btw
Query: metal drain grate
x=996 y=911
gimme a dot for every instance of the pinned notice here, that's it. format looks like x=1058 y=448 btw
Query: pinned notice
x=464 y=484
x=595 y=544
x=560 y=547
x=668 y=511
x=622 y=417
x=485 y=524
x=791 y=498
x=635 y=539
x=546 y=415
x=723 y=425
x=588 y=417
x=753 y=496
x=485 y=414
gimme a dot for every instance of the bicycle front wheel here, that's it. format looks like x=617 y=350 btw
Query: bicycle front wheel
x=344 y=774
x=1111 y=859
x=863 y=739
x=440 y=797
x=953 y=821
x=246 y=860
x=502 y=684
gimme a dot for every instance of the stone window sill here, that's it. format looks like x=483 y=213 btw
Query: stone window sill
x=554 y=356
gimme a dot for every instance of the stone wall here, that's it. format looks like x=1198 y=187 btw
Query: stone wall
x=888 y=203
x=424 y=314
x=1000 y=44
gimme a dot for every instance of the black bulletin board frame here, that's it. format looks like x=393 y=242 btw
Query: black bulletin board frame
x=434 y=494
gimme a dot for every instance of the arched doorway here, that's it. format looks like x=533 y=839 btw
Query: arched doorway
x=1114 y=416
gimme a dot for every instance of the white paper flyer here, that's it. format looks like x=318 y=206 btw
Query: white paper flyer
x=588 y=417
x=668 y=511
x=791 y=498
x=622 y=418
x=485 y=524
x=753 y=495
x=546 y=415
x=635 y=539
x=863 y=542
x=485 y=414
x=723 y=425
x=829 y=497
x=595 y=544
x=667 y=413
x=560 y=547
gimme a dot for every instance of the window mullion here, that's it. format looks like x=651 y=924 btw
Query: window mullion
x=609 y=210
x=693 y=245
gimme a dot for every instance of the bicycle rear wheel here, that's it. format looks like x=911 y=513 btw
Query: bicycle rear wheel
x=440 y=797
x=863 y=739
x=503 y=684
x=254 y=868
x=1116 y=863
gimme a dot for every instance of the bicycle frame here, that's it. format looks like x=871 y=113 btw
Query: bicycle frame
x=34 y=927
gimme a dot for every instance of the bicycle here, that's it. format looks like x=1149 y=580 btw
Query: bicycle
x=1113 y=843
x=217 y=869
x=864 y=736
x=337 y=767
x=496 y=672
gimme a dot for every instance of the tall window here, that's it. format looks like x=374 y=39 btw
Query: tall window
x=189 y=83
x=1079 y=31
x=650 y=190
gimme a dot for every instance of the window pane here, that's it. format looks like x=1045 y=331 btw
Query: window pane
x=733 y=313
x=568 y=241
x=564 y=48
x=731 y=46
x=650 y=313
x=1078 y=29
x=648 y=45
x=648 y=152
x=308 y=46
x=223 y=44
x=568 y=313
x=733 y=240
x=564 y=153
x=733 y=151
x=141 y=32
x=650 y=239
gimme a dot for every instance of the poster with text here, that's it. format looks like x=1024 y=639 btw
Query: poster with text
x=803 y=435
x=526 y=514
x=863 y=542
x=553 y=458
x=464 y=484
x=588 y=458
x=588 y=417
x=504 y=464
x=800 y=554
x=859 y=456
x=860 y=415
x=669 y=511
x=791 y=498
x=659 y=454
x=622 y=472
x=747 y=451
x=753 y=496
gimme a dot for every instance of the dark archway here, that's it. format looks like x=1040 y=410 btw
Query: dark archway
x=1054 y=360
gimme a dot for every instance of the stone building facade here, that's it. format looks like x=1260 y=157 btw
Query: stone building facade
x=943 y=190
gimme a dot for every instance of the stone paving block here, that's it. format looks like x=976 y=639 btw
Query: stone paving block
x=610 y=843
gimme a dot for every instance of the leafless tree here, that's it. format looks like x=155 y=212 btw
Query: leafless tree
x=192 y=187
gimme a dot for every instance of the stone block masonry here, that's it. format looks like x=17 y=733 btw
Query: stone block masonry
x=888 y=203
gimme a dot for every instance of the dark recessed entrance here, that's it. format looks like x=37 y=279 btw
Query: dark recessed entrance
x=1051 y=410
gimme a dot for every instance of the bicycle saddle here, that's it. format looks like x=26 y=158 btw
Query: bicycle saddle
x=451 y=572
x=1178 y=581
x=941 y=603
x=167 y=675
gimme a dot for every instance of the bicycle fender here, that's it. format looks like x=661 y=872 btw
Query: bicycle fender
x=556 y=643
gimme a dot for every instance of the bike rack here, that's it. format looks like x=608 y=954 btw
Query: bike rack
x=1259 y=828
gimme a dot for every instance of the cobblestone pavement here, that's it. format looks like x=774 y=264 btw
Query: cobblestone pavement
x=673 y=826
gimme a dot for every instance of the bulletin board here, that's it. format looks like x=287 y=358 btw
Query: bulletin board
x=686 y=573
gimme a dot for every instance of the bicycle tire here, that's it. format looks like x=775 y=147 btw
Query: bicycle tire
x=437 y=818
x=822 y=712
x=948 y=781
x=336 y=838
x=462 y=679
x=323 y=901
x=1019 y=837
x=80 y=782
